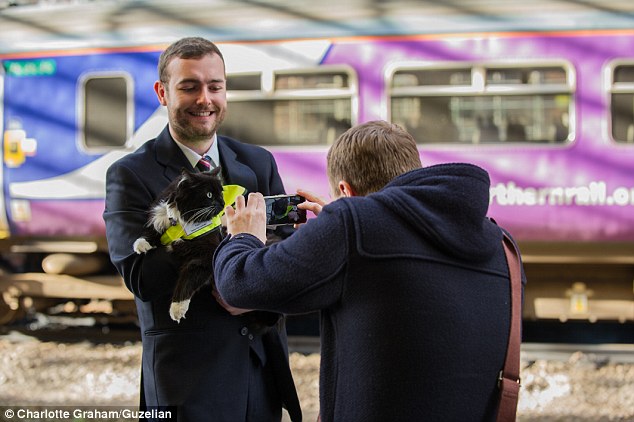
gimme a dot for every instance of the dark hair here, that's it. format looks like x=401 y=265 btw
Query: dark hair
x=186 y=48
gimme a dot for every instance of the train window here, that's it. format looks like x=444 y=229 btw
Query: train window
x=624 y=74
x=622 y=103
x=337 y=80
x=526 y=76
x=308 y=107
x=106 y=116
x=482 y=103
x=430 y=77
x=244 y=82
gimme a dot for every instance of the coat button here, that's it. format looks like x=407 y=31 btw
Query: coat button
x=244 y=331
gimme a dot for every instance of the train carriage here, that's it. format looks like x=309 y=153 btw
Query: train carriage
x=541 y=95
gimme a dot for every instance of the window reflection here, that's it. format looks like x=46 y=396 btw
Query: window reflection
x=310 y=107
x=483 y=104
x=622 y=103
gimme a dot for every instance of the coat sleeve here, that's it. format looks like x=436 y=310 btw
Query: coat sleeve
x=303 y=273
x=148 y=275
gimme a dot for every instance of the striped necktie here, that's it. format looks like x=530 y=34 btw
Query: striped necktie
x=205 y=163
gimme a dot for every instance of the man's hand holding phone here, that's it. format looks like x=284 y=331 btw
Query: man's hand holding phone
x=312 y=203
x=260 y=212
x=248 y=217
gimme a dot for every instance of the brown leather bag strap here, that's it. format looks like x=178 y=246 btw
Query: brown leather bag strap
x=509 y=379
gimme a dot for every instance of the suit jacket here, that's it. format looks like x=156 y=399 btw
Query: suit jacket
x=202 y=364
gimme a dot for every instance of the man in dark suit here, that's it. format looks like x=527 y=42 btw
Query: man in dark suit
x=213 y=365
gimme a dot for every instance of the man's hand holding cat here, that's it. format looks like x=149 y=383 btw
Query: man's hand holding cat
x=248 y=218
x=231 y=309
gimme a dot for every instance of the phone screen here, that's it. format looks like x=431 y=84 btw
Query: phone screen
x=282 y=210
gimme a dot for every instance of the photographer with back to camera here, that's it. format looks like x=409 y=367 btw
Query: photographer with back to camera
x=213 y=365
x=408 y=272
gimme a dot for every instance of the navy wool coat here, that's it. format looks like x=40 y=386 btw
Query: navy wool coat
x=413 y=288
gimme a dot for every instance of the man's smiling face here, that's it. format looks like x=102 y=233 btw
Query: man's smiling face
x=196 y=98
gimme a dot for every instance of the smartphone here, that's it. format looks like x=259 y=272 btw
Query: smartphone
x=282 y=210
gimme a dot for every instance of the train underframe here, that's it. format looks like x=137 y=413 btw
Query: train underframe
x=566 y=282
x=69 y=278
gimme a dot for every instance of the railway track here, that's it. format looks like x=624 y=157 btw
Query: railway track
x=598 y=353
x=530 y=352
x=65 y=329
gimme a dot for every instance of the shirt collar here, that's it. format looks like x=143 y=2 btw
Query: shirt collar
x=193 y=157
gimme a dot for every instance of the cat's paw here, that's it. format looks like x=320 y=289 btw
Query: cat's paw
x=141 y=245
x=179 y=309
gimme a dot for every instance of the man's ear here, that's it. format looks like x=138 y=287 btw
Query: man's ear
x=159 y=88
x=345 y=189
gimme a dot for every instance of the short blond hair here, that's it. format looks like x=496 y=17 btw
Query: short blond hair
x=370 y=155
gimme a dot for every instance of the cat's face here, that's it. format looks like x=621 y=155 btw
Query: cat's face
x=198 y=196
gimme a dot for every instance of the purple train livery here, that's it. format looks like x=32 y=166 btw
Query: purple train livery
x=540 y=94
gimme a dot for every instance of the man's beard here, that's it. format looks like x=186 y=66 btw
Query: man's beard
x=190 y=133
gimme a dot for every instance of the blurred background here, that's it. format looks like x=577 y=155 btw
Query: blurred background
x=540 y=94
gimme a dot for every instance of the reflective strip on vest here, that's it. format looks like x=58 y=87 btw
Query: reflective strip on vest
x=229 y=195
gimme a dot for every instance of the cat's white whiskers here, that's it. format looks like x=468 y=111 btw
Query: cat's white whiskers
x=200 y=212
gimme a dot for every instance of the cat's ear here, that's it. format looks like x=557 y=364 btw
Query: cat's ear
x=216 y=171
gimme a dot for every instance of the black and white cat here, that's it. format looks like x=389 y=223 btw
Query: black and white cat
x=185 y=218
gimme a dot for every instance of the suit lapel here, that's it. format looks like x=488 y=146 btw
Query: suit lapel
x=169 y=155
x=235 y=172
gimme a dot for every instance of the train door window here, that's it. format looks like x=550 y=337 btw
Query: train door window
x=299 y=107
x=482 y=103
x=622 y=102
x=106 y=115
